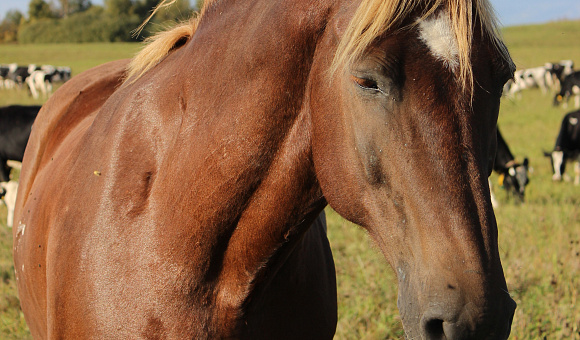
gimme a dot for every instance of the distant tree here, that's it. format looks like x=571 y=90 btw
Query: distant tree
x=64 y=6
x=39 y=9
x=68 y=7
x=13 y=16
x=143 y=8
x=178 y=11
x=9 y=26
x=76 y=6
x=198 y=4
x=119 y=7
x=120 y=20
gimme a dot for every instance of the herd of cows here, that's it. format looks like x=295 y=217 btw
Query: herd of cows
x=36 y=79
x=557 y=77
x=16 y=123
x=562 y=79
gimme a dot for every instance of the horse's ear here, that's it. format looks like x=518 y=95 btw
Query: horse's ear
x=526 y=162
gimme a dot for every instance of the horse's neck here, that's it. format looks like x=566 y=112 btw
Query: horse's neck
x=243 y=215
x=242 y=157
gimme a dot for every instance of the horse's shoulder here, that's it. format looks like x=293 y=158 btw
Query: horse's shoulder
x=74 y=105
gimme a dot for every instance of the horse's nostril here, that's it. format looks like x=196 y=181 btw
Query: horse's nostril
x=434 y=329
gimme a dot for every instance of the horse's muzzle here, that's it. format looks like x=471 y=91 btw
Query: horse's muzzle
x=446 y=323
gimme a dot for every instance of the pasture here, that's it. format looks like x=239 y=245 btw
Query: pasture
x=539 y=241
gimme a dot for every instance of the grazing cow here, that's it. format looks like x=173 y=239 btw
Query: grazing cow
x=515 y=85
x=538 y=77
x=40 y=80
x=567 y=147
x=513 y=176
x=17 y=75
x=558 y=71
x=570 y=86
x=63 y=74
x=4 y=69
x=8 y=192
x=8 y=74
x=15 y=125
x=567 y=67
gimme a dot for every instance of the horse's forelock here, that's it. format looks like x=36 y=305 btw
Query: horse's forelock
x=374 y=17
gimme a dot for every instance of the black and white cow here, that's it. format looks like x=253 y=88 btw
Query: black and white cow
x=515 y=85
x=560 y=70
x=567 y=147
x=15 y=126
x=570 y=87
x=513 y=176
x=538 y=77
x=42 y=80
x=8 y=72
x=8 y=192
x=18 y=75
x=63 y=74
x=4 y=69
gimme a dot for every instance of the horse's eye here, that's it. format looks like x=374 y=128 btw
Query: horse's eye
x=365 y=83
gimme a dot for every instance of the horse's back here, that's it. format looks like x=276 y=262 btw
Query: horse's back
x=59 y=127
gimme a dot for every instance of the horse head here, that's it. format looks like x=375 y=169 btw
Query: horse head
x=404 y=128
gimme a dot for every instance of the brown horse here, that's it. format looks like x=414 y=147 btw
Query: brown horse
x=184 y=202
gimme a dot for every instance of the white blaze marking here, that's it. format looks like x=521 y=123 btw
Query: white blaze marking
x=437 y=33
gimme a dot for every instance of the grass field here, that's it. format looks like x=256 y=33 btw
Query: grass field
x=539 y=240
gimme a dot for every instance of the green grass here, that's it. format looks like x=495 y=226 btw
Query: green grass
x=80 y=57
x=534 y=45
x=539 y=240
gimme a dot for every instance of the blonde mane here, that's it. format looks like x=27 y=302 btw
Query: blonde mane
x=158 y=46
x=375 y=17
x=372 y=19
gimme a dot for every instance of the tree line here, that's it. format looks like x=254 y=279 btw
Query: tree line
x=78 y=21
